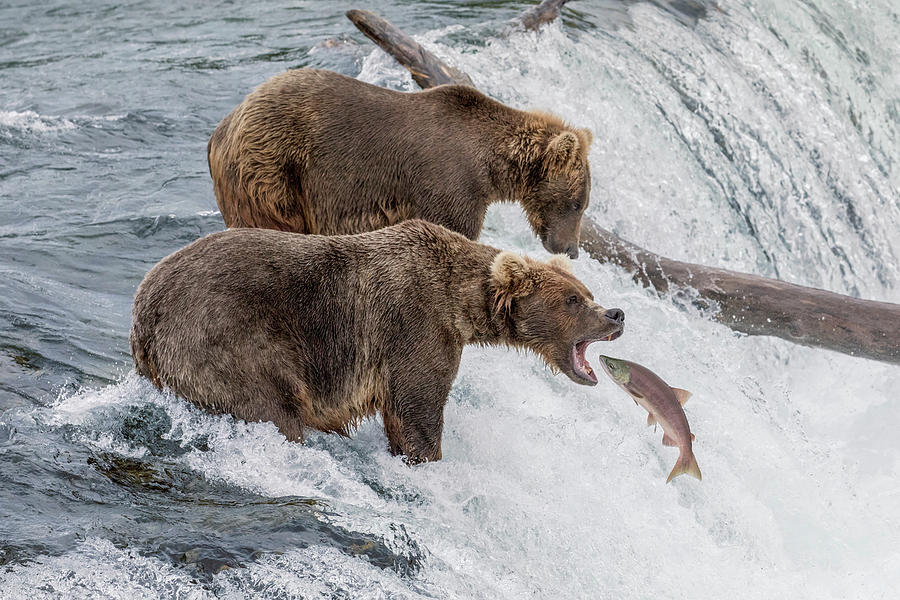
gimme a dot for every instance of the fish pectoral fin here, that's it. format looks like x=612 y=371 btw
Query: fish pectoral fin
x=668 y=441
x=651 y=420
x=693 y=437
x=682 y=395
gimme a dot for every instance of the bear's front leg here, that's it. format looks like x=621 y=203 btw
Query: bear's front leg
x=414 y=421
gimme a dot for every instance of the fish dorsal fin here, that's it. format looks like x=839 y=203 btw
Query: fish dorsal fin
x=651 y=420
x=667 y=441
x=682 y=395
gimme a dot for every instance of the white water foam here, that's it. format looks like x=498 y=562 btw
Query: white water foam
x=98 y=570
x=31 y=122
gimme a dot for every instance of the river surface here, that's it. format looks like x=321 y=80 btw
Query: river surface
x=763 y=136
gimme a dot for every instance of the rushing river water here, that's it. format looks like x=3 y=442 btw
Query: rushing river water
x=763 y=136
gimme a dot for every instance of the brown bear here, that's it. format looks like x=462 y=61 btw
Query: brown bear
x=314 y=151
x=324 y=331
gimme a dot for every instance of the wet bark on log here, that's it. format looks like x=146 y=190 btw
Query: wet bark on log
x=746 y=303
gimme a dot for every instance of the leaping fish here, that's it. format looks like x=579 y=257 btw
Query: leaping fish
x=663 y=403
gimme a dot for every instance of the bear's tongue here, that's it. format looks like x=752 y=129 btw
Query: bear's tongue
x=580 y=364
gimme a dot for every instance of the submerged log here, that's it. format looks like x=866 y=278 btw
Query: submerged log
x=544 y=12
x=746 y=303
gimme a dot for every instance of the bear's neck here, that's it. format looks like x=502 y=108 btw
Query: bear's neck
x=511 y=142
x=476 y=318
x=511 y=165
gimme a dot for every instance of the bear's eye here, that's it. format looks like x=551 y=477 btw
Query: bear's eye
x=571 y=300
x=576 y=205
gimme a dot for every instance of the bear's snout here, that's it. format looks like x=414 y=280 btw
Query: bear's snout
x=555 y=245
x=616 y=315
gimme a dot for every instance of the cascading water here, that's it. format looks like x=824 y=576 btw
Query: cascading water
x=762 y=136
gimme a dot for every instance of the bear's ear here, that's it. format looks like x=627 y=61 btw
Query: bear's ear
x=562 y=149
x=510 y=274
x=587 y=137
x=561 y=262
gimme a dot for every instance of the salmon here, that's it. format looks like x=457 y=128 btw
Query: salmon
x=663 y=405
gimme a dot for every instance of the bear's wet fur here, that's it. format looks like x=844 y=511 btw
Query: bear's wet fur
x=324 y=331
x=312 y=151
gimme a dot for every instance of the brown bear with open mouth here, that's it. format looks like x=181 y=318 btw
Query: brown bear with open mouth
x=324 y=331
x=314 y=151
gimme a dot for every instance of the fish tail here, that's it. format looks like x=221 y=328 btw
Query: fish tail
x=686 y=463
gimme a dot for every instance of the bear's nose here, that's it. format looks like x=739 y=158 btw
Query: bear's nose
x=615 y=314
x=572 y=250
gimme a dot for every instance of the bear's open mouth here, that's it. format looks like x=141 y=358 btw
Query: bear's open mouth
x=580 y=366
x=615 y=335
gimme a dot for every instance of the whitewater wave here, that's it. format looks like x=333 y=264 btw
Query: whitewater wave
x=28 y=121
x=98 y=570
x=31 y=122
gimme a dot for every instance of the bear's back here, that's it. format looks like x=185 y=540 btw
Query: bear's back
x=248 y=267
x=318 y=152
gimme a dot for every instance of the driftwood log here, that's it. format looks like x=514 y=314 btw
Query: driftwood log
x=758 y=305
x=427 y=70
x=746 y=303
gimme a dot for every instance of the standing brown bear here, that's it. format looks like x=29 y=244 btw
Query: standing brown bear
x=322 y=332
x=314 y=151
